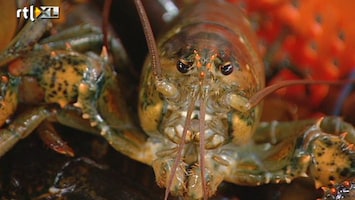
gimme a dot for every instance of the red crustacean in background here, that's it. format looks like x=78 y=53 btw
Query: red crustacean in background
x=315 y=38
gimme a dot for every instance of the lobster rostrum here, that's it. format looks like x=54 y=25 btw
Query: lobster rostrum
x=198 y=106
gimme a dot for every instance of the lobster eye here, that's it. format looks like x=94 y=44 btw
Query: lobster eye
x=182 y=66
x=226 y=68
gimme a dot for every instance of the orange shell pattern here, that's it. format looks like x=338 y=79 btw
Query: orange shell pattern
x=320 y=38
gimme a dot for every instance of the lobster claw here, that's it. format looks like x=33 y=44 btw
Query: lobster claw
x=333 y=156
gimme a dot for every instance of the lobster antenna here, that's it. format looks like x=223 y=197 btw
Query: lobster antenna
x=180 y=147
x=202 y=142
x=260 y=95
x=105 y=22
x=149 y=36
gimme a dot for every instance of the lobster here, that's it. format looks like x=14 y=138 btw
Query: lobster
x=195 y=43
x=199 y=108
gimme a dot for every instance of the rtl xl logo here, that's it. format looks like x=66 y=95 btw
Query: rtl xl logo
x=43 y=12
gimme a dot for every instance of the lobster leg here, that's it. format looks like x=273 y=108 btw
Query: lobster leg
x=23 y=42
x=83 y=38
x=52 y=139
x=21 y=127
x=129 y=142
x=322 y=150
x=80 y=38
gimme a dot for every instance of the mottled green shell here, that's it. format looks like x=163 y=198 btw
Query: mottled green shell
x=8 y=97
x=217 y=37
x=59 y=73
